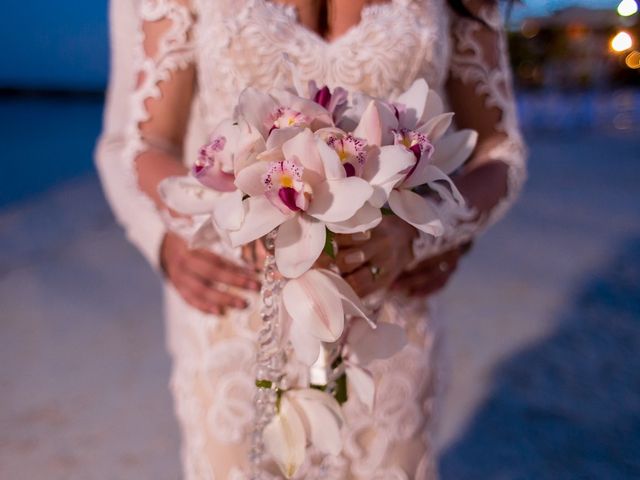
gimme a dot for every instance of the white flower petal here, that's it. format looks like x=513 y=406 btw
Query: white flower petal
x=298 y=245
x=383 y=168
x=279 y=136
x=324 y=427
x=312 y=300
x=361 y=381
x=415 y=210
x=433 y=108
x=436 y=127
x=249 y=179
x=305 y=345
x=285 y=439
x=302 y=149
x=260 y=217
x=186 y=195
x=256 y=107
x=370 y=126
x=451 y=151
x=324 y=398
x=366 y=218
x=333 y=168
x=228 y=213
x=368 y=344
x=351 y=303
x=338 y=200
x=415 y=100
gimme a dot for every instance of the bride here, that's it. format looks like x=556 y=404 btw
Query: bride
x=178 y=68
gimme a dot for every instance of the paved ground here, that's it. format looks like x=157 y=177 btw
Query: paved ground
x=541 y=324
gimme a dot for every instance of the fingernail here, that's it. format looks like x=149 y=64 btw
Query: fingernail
x=354 y=257
x=361 y=236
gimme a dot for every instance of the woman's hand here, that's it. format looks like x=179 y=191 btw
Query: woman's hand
x=202 y=278
x=372 y=261
x=432 y=274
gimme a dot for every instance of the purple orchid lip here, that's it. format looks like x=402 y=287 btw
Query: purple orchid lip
x=288 y=196
x=349 y=169
x=323 y=97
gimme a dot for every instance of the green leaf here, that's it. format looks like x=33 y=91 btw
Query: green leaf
x=341 y=389
x=328 y=244
x=386 y=211
x=264 y=383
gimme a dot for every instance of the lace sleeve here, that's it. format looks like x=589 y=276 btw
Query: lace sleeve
x=480 y=92
x=146 y=112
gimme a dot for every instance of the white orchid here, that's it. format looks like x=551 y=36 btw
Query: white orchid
x=315 y=305
x=303 y=192
x=304 y=415
x=419 y=124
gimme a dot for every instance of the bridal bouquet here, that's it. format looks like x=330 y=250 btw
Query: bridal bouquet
x=292 y=169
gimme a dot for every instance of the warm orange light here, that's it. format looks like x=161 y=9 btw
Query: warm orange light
x=633 y=60
x=621 y=41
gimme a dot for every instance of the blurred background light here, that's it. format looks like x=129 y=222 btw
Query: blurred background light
x=621 y=41
x=626 y=8
x=633 y=60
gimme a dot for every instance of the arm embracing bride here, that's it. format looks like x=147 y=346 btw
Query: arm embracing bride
x=479 y=90
x=136 y=153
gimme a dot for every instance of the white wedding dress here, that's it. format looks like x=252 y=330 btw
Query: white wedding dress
x=236 y=43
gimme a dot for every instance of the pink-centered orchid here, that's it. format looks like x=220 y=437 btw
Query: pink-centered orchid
x=419 y=124
x=211 y=187
x=302 y=188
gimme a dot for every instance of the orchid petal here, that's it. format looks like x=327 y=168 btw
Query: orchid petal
x=370 y=126
x=338 y=200
x=305 y=345
x=285 y=439
x=436 y=127
x=351 y=302
x=333 y=168
x=228 y=213
x=385 y=166
x=324 y=427
x=318 y=396
x=451 y=151
x=433 y=108
x=415 y=100
x=187 y=195
x=361 y=381
x=261 y=216
x=367 y=344
x=257 y=107
x=311 y=300
x=249 y=179
x=280 y=135
x=366 y=218
x=319 y=115
x=416 y=211
x=298 y=245
x=302 y=149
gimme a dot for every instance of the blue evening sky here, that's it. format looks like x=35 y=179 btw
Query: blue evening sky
x=63 y=44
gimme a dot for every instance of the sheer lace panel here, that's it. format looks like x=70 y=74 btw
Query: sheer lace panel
x=480 y=91
x=158 y=116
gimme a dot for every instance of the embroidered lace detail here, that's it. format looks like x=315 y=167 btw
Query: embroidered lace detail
x=173 y=50
x=490 y=79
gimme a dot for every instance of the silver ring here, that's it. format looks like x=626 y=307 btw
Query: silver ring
x=375 y=270
x=443 y=267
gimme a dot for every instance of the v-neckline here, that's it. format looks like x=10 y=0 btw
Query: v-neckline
x=291 y=11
